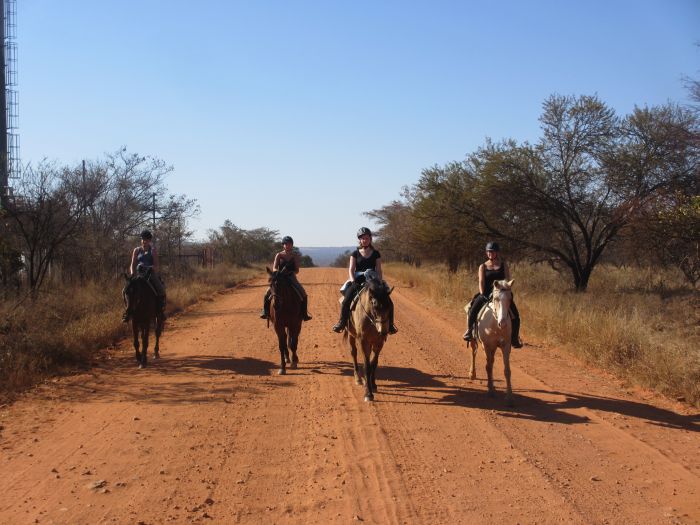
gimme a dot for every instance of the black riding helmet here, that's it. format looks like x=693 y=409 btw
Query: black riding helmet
x=146 y=234
x=364 y=231
x=493 y=247
x=288 y=239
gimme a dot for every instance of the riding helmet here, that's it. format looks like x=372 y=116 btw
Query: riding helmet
x=146 y=234
x=493 y=247
x=288 y=239
x=364 y=231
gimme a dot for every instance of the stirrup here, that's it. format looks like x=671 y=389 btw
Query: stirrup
x=516 y=344
x=264 y=315
x=339 y=327
x=306 y=317
x=468 y=336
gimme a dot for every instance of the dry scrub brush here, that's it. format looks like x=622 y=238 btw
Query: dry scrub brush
x=642 y=324
x=67 y=325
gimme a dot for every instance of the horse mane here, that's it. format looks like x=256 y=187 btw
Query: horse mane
x=379 y=290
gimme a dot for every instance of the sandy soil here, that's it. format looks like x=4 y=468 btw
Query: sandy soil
x=210 y=434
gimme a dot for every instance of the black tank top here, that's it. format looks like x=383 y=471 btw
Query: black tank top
x=493 y=275
x=362 y=263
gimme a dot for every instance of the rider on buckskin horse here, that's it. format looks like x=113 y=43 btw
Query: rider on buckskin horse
x=143 y=258
x=494 y=269
x=366 y=257
x=291 y=261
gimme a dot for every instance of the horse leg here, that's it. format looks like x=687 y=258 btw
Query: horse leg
x=293 y=341
x=356 y=368
x=135 y=331
x=159 y=330
x=284 y=352
x=369 y=373
x=144 y=345
x=490 y=354
x=375 y=362
x=473 y=347
x=506 y=372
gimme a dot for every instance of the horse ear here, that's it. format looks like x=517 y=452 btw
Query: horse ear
x=510 y=283
x=497 y=285
x=269 y=272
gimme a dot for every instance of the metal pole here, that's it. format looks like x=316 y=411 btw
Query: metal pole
x=4 y=164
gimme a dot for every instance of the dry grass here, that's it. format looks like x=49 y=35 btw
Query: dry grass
x=39 y=338
x=641 y=324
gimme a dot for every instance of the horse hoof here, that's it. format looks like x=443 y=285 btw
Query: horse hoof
x=281 y=372
x=141 y=366
x=293 y=366
x=156 y=356
x=369 y=398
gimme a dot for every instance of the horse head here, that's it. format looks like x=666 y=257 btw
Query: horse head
x=502 y=296
x=378 y=305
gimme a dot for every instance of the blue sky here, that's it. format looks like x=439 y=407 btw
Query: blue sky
x=301 y=115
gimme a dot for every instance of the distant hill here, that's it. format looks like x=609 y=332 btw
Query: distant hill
x=324 y=256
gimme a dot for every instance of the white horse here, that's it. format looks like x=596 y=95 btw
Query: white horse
x=493 y=331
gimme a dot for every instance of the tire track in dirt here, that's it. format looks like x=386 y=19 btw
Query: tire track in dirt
x=210 y=433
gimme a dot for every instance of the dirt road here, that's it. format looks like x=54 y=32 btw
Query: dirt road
x=210 y=433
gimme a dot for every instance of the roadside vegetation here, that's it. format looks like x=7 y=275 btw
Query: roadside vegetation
x=65 y=327
x=639 y=323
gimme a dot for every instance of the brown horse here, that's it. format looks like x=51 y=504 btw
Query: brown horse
x=286 y=316
x=142 y=302
x=493 y=331
x=369 y=325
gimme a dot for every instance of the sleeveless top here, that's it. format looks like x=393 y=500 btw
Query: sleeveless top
x=493 y=275
x=365 y=263
x=290 y=263
x=145 y=258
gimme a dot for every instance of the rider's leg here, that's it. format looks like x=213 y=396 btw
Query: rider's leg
x=477 y=303
x=345 y=308
x=127 y=314
x=304 y=301
x=160 y=293
x=392 y=326
x=515 y=341
x=266 y=306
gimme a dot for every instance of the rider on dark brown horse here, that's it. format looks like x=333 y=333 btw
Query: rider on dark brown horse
x=291 y=261
x=494 y=269
x=143 y=258
x=366 y=257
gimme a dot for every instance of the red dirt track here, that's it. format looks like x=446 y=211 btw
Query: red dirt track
x=211 y=434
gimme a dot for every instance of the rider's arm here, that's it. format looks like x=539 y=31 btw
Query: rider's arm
x=134 y=255
x=482 y=279
x=378 y=268
x=351 y=268
x=275 y=265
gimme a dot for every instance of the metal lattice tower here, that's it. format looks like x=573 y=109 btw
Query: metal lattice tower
x=10 y=165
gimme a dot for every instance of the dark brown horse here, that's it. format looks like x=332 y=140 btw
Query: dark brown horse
x=142 y=302
x=286 y=316
x=369 y=326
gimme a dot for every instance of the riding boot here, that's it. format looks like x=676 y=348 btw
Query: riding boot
x=344 y=316
x=266 y=307
x=468 y=335
x=392 y=326
x=515 y=334
x=304 y=310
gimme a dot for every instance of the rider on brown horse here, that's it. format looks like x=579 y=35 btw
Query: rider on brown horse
x=290 y=261
x=366 y=257
x=145 y=258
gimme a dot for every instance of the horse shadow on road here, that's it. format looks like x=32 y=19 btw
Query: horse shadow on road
x=411 y=385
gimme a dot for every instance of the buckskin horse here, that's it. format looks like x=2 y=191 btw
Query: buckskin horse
x=493 y=330
x=142 y=302
x=369 y=326
x=286 y=316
